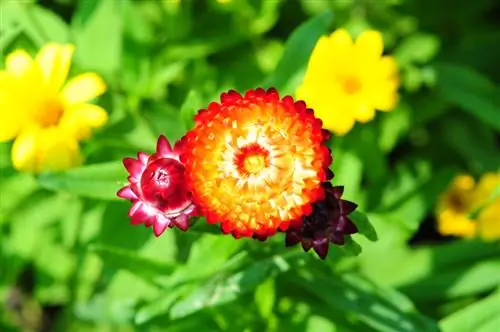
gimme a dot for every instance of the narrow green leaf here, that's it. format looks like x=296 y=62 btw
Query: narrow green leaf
x=98 y=30
x=471 y=91
x=418 y=48
x=159 y=306
x=474 y=317
x=265 y=296
x=100 y=181
x=381 y=308
x=119 y=258
x=190 y=107
x=41 y=25
x=223 y=289
x=298 y=48
x=363 y=224
x=351 y=247
x=452 y=283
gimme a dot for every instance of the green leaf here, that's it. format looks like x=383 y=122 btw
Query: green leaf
x=265 y=296
x=383 y=309
x=100 y=181
x=475 y=143
x=393 y=126
x=119 y=258
x=351 y=247
x=348 y=170
x=223 y=289
x=298 y=48
x=363 y=224
x=190 y=107
x=452 y=283
x=14 y=190
x=418 y=48
x=41 y=25
x=98 y=26
x=162 y=120
x=474 y=317
x=471 y=91
x=159 y=306
x=413 y=190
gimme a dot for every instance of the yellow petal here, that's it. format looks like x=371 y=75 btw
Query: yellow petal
x=369 y=45
x=489 y=221
x=45 y=149
x=19 y=63
x=452 y=223
x=340 y=52
x=11 y=117
x=388 y=68
x=364 y=113
x=23 y=68
x=79 y=119
x=58 y=150
x=24 y=150
x=54 y=61
x=384 y=97
x=336 y=119
x=83 y=88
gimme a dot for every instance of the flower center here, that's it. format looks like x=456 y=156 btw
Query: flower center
x=163 y=185
x=351 y=85
x=49 y=113
x=251 y=159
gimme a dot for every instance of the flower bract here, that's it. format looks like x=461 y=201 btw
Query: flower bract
x=327 y=223
x=157 y=189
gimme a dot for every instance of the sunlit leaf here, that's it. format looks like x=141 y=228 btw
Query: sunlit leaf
x=297 y=51
x=475 y=317
x=100 y=181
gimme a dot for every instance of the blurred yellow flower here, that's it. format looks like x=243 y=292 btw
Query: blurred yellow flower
x=470 y=209
x=347 y=81
x=46 y=117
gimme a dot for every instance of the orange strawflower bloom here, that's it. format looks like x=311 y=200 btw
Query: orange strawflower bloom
x=255 y=163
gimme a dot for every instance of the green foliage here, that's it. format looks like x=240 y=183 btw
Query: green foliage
x=66 y=245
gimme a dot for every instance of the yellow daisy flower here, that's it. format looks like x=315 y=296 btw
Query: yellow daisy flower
x=347 y=81
x=46 y=117
x=464 y=199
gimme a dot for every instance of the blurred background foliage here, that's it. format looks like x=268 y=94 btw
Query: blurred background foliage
x=70 y=261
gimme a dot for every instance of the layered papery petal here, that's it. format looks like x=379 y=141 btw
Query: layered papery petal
x=163 y=147
x=157 y=190
x=126 y=193
x=255 y=162
x=160 y=225
x=134 y=167
x=327 y=223
x=83 y=88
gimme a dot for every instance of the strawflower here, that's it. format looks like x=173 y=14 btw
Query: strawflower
x=346 y=80
x=157 y=189
x=45 y=116
x=328 y=223
x=255 y=163
x=471 y=209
